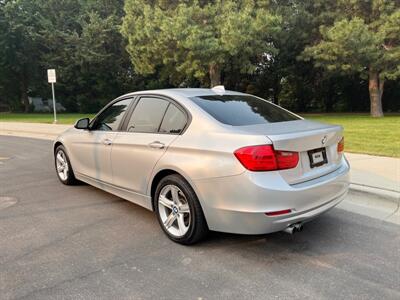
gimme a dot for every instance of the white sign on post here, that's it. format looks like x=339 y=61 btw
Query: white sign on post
x=51 y=75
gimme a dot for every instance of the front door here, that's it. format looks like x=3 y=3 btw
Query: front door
x=93 y=147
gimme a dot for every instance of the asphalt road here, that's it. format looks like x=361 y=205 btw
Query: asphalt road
x=81 y=243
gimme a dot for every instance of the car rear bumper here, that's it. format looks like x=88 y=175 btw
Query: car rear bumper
x=237 y=204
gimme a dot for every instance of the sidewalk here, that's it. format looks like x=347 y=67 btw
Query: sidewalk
x=368 y=173
x=375 y=171
x=32 y=130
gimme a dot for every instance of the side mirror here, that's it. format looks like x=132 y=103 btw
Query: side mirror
x=82 y=123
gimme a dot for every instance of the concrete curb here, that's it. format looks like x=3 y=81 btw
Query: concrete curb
x=373 y=202
x=389 y=195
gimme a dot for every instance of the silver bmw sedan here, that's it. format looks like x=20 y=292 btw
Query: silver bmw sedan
x=208 y=159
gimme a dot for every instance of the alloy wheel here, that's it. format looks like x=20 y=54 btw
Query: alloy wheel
x=62 y=165
x=174 y=210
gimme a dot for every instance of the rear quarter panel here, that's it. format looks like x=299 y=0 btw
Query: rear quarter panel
x=207 y=155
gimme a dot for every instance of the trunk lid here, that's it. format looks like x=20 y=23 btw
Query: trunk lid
x=302 y=136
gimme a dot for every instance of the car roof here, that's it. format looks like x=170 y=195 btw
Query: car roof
x=186 y=92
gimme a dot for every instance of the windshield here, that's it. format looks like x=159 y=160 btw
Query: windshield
x=240 y=110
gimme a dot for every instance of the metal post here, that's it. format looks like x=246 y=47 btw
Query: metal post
x=54 y=103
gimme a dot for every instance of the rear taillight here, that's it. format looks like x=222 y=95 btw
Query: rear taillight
x=340 y=146
x=286 y=159
x=265 y=158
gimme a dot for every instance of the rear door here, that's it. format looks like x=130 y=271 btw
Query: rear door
x=154 y=123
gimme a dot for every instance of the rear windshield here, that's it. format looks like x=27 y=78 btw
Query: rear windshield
x=240 y=110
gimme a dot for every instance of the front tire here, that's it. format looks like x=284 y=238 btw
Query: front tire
x=63 y=167
x=178 y=211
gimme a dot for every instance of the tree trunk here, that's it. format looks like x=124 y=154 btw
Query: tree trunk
x=24 y=95
x=375 y=93
x=329 y=98
x=215 y=74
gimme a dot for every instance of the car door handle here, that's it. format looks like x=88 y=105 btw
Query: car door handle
x=107 y=142
x=157 y=145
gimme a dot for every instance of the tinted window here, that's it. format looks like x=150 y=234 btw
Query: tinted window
x=147 y=115
x=174 y=120
x=110 y=119
x=238 y=110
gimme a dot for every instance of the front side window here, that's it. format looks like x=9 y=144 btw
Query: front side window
x=147 y=115
x=241 y=110
x=174 y=120
x=110 y=119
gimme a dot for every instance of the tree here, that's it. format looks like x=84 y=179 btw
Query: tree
x=79 y=38
x=19 y=47
x=293 y=83
x=249 y=45
x=184 y=39
x=82 y=41
x=365 y=42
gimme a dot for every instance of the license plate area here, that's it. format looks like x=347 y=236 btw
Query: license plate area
x=317 y=157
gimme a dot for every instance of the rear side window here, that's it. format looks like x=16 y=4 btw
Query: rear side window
x=147 y=115
x=174 y=120
x=240 y=110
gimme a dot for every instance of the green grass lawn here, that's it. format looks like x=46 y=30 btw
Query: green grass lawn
x=363 y=134
x=42 y=118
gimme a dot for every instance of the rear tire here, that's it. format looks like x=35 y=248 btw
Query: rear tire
x=64 y=170
x=178 y=210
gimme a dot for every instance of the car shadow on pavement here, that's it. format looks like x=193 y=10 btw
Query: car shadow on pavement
x=330 y=234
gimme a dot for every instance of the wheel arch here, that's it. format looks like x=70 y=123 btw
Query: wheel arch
x=156 y=179
x=163 y=173
x=56 y=144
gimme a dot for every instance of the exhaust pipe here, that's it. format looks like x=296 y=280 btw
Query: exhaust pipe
x=294 y=228
x=290 y=229
x=298 y=227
